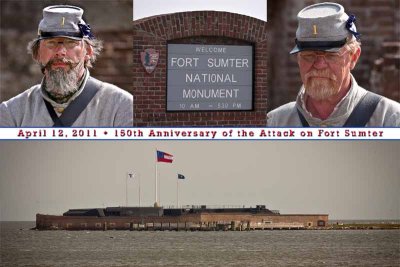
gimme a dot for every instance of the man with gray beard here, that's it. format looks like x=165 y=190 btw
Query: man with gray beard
x=328 y=48
x=68 y=96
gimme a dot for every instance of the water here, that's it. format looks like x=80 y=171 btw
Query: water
x=21 y=247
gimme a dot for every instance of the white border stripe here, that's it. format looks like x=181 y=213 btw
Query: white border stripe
x=171 y=133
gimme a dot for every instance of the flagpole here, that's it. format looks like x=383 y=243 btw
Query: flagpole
x=126 y=190
x=159 y=189
x=139 y=190
x=155 y=193
x=177 y=193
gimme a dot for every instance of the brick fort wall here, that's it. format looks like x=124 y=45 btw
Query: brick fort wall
x=199 y=27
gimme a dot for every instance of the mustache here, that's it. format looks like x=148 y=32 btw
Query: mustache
x=53 y=61
x=321 y=74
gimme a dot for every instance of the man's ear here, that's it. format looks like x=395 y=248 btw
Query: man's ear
x=354 y=58
x=36 y=58
x=89 y=51
x=36 y=53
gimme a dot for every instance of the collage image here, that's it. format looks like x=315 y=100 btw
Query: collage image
x=199 y=133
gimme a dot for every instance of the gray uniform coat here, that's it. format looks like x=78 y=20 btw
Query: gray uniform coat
x=110 y=107
x=386 y=114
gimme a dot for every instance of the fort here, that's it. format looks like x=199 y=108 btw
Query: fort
x=189 y=218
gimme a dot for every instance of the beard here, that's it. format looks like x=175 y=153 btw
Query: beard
x=321 y=85
x=60 y=83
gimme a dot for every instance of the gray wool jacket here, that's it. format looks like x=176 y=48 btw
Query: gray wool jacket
x=386 y=114
x=110 y=107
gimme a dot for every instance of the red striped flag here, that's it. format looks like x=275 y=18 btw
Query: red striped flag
x=164 y=157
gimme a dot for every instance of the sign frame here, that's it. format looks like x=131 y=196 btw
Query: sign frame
x=244 y=44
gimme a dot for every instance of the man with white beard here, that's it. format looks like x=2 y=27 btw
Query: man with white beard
x=328 y=48
x=68 y=96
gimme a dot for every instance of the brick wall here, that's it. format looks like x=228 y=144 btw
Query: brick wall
x=200 y=27
x=46 y=222
x=385 y=76
x=377 y=20
x=304 y=219
x=115 y=63
x=19 y=71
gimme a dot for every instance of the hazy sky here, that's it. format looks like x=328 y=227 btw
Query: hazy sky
x=347 y=180
x=147 y=8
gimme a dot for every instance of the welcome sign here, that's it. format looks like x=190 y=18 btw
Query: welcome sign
x=209 y=77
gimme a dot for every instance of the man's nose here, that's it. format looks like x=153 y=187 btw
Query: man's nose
x=60 y=49
x=320 y=62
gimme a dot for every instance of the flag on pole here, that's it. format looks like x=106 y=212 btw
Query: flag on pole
x=164 y=157
x=180 y=176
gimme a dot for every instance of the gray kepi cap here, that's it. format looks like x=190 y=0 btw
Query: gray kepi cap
x=324 y=27
x=63 y=21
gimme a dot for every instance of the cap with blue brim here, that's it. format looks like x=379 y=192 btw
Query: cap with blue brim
x=324 y=27
x=63 y=21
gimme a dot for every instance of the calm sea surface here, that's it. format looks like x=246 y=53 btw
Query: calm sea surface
x=21 y=246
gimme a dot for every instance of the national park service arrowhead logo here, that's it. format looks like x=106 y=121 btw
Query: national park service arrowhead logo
x=149 y=59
